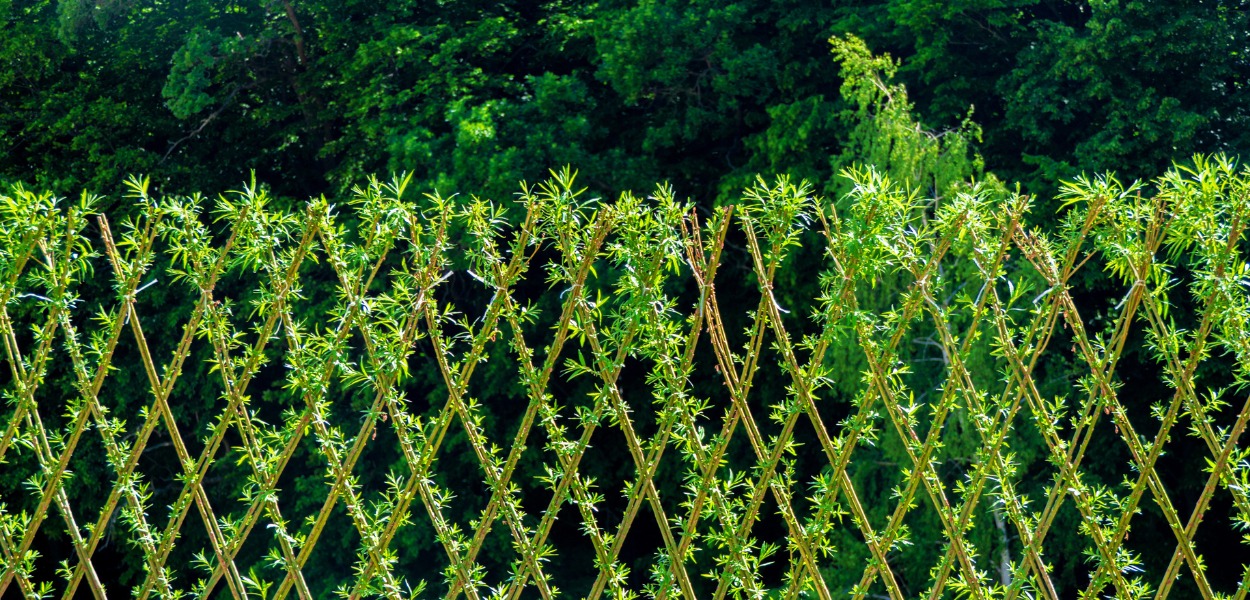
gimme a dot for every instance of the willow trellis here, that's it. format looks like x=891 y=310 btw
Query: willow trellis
x=618 y=269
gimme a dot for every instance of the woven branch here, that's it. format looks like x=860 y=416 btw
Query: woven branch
x=321 y=343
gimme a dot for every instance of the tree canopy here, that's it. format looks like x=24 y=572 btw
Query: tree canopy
x=475 y=96
x=189 y=111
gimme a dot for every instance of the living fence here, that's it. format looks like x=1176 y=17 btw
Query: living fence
x=879 y=396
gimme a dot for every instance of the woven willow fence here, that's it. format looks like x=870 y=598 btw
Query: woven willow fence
x=634 y=289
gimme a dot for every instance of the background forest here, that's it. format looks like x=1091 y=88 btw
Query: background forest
x=475 y=96
x=312 y=97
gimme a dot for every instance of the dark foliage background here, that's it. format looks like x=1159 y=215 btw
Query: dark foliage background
x=472 y=97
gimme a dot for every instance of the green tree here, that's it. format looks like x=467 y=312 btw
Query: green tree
x=1133 y=86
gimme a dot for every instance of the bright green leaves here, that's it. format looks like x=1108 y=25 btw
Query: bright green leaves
x=924 y=405
x=186 y=91
x=885 y=134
